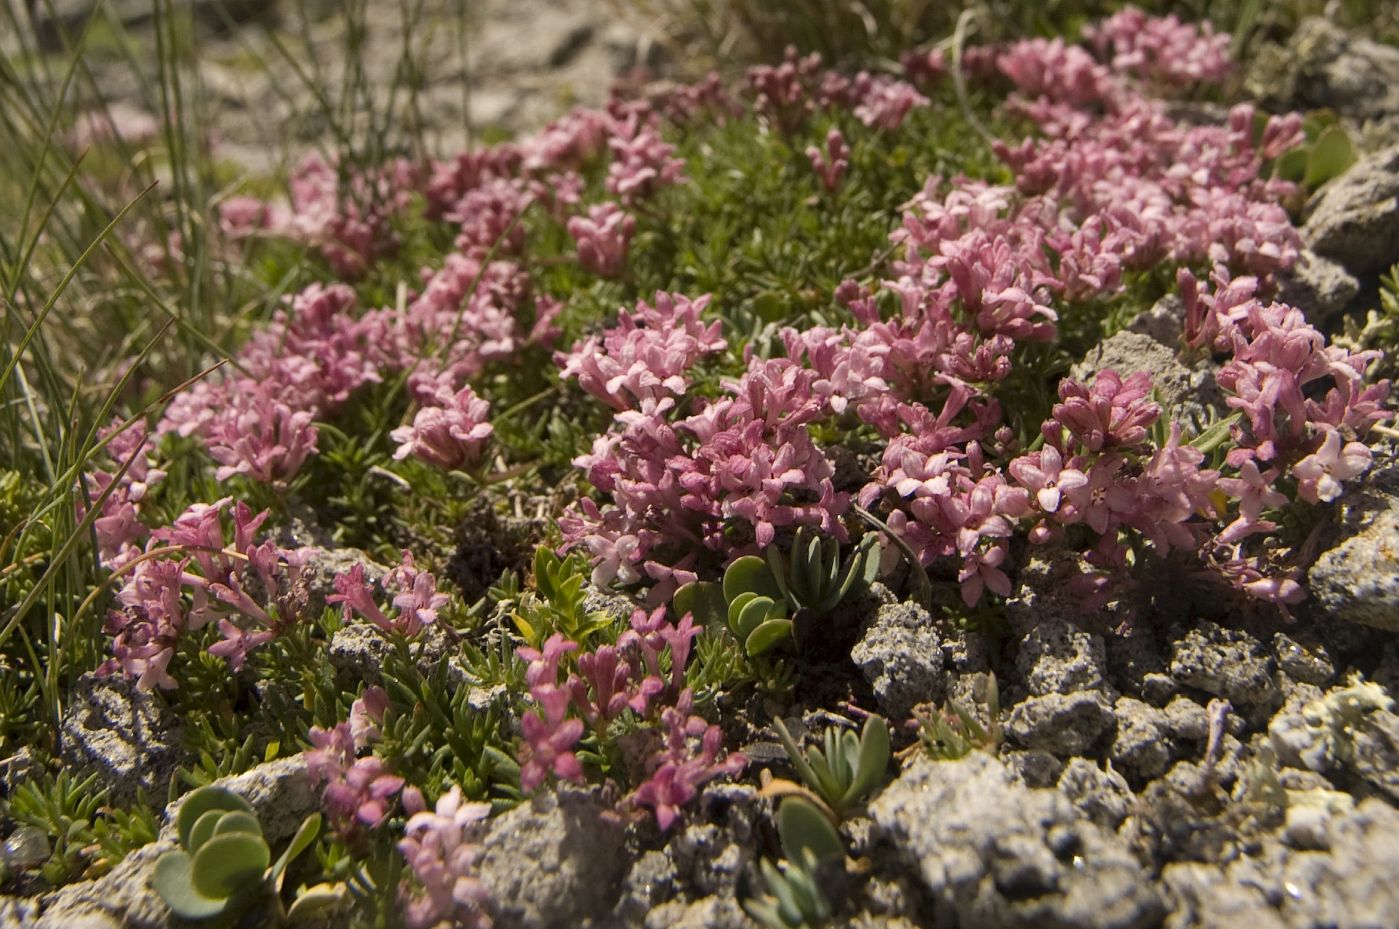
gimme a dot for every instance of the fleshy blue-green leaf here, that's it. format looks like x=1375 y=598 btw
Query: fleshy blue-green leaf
x=229 y=864
x=768 y=636
x=174 y=881
x=202 y=801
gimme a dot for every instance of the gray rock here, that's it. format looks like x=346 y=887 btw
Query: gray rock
x=900 y=655
x=123 y=895
x=709 y=913
x=1164 y=322
x=1033 y=768
x=1226 y=663
x=1189 y=396
x=991 y=852
x=553 y=861
x=359 y=649
x=1142 y=746
x=130 y=738
x=651 y=882
x=1352 y=883
x=1319 y=287
x=1354 y=219
x=1305 y=663
x=1186 y=719
x=1059 y=657
x=1062 y=724
x=279 y=792
x=1358 y=579
x=1102 y=796
x=1323 y=66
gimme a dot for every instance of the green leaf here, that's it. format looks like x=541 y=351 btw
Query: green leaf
x=1292 y=165
x=229 y=864
x=704 y=600
x=768 y=636
x=778 y=569
x=1329 y=157
x=174 y=881
x=237 y=821
x=203 y=829
x=802 y=826
x=313 y=900
x=305 y=834
x=736 y=607
x=873 y=760
x=795 y=755
x=202 y=801
x=750 y=574
x=753 y=614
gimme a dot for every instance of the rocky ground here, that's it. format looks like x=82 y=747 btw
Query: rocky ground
x=1161 y=765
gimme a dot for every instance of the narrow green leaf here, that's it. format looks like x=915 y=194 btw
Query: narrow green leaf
x=305 y=834
x=873 y=760
x=795 y=755
x=802 y=826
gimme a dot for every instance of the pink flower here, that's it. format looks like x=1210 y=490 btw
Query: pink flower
x=1320 y=474
x=603 y=237
x=1113 y=413
x=1043 y=473
x=831 y=166
x=450 y=433
x=440 y=849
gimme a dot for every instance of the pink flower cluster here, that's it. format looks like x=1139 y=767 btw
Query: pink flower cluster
x=356 y=793
x=609 y=681
x=415 y=598
x=646 y=355
x=603 y=238
x=679 y=488
x=259 y=421
x=450 y=429
x=1162 y=50
x=791 y=91
x=440 y=848
x=191 y=575
x=130 y=455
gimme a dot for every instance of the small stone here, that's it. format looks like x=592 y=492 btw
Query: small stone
x=1063 y=724
x=1354 y=219
x=1317 y=286
x=129 y=737
x=1141 y=746
x=1102 y=796
x=1323 y=66
x=1186 y=719
x=553 y=861
x=1059 y=657
x=1307 y=664
x=1188 y=396
x=1034 y=768
x=1226 y=663
x=900 y=655
x=992 y=852
x=1358 y=579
